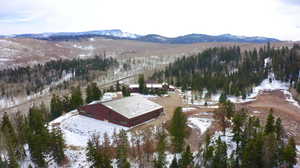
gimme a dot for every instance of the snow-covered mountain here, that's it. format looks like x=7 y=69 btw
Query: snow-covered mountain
x=65 y=35
x=199 y=38
x=119 y=34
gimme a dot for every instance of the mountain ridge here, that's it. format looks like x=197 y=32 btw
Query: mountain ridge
x=156 y=38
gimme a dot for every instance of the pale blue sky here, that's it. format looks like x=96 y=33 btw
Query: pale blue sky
x=272 y=18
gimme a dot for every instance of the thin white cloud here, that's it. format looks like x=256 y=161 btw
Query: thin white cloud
x=291 y=2
x=20 y=17
x=271 y=18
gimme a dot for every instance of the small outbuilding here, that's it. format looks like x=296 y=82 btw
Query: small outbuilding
x=129 y=111
x=154 y=87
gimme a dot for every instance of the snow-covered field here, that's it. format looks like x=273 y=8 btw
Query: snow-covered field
x=199 y=123
x=78 y=129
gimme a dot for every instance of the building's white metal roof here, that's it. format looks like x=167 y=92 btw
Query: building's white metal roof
x=134 y=86
x=132 y=106
x=152 y=85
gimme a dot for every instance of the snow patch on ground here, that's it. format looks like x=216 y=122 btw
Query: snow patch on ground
x=290 y=99
x=212 y=100
x=256 y=112
x=2 y=59
x=78 y=129
x=227 y=138
x=187 y=109
x=199 y=123
x=266 y=85
x=269 y=84
x=267 y=61
x=145 y=96
x=109 y=96
x=208 y=106
x=84 y=47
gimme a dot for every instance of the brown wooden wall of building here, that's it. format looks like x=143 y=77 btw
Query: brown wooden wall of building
x=101 y=112
x=145 y=117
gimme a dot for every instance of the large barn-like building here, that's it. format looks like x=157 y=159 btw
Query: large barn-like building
x=128 y=112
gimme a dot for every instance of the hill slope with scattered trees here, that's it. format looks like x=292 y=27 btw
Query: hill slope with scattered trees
x=231 y=71
x=34 y=79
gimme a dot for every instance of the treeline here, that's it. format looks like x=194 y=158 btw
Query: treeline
x=146 y=149
x=251 y=143
x=33 y=79
x=60 y=105
x=29 y=138
x=231 y=71
x=245 y=143
x=286 y=63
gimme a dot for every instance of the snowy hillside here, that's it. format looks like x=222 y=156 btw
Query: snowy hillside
x=111 y=33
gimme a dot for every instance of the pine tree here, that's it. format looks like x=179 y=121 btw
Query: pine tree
x=76 y=98
x=252 y=153
x=8 y=131
x=178 y=130
x=38 y=136
x=122 y=150
x=56 y=107
x=89 y=94
x=118 y=88
x=174 y=163
x=12 y=161
x=160 y=162
x=220 y=116
x=3 y=163
x=66 y=101
x=12 y=145
x=228 y=109
x=91 y=152
x=96 y=92
x=220 y=155
x=57 y=146
x=187 y=158
x=238 y=123
x=92 y=93
x=125 y=91
x=270 y=128
x=290 y=154
x=207 y=154
x=279 y=129
x=96 y=154
x=223 y=98
x=142 y=84
x=270 y=151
